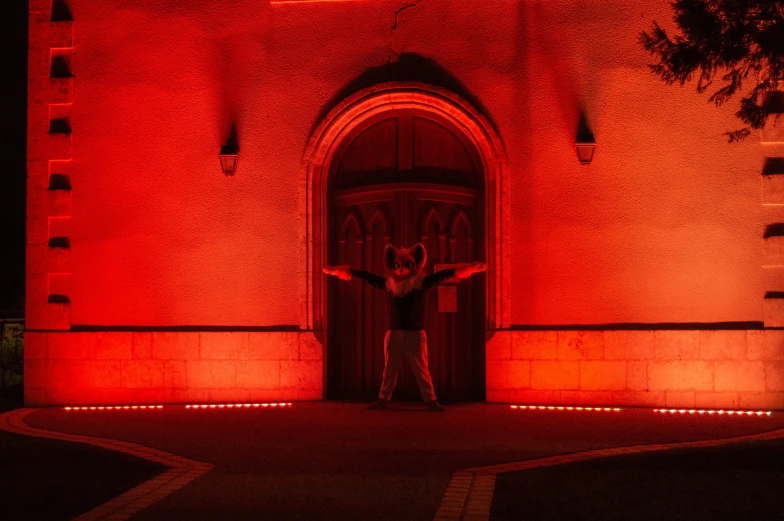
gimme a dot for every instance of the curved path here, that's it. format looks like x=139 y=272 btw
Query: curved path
x=327 y=460
x=182 y=470
x=470 y=492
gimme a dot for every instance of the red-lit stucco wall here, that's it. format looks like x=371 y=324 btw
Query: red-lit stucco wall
x=665 y=225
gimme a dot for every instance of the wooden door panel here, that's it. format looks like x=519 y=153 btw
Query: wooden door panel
x=447 y=229
x=350 y=250
x=433 y=236
x=379 y=236
x=357 y=313
x=463 y=323
x=406 y=177
x=437 y=147
x=373 y=149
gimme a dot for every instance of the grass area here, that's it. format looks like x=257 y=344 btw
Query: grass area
x=11 y=363
x=12 y=402
x=742 y=481
x=55 y=480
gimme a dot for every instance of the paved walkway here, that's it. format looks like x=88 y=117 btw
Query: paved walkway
x=742 y=481
x=340 y=461
x=52 y=480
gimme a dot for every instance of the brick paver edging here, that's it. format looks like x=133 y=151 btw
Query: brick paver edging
x=469 y=495
x=182 y=471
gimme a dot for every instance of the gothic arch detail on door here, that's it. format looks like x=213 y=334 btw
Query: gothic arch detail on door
x=355 y=112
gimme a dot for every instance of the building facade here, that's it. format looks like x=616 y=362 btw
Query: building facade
x=634 y=255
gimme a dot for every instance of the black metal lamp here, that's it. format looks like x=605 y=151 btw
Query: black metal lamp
x=230 y=153
x=585 y=142
x=228 y=162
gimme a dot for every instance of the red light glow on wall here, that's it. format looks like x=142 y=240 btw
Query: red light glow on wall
x=229 y=270
x=719 y=412
x=565 y=408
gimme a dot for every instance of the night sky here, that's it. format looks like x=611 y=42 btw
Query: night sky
x=13 y=144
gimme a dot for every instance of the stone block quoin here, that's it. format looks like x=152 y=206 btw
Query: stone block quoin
x=50 y=87
x=772 y=145
x=645 y=368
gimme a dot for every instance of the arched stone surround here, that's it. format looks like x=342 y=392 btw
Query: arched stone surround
x=313 y=182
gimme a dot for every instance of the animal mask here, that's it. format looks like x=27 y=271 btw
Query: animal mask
x=404 y=267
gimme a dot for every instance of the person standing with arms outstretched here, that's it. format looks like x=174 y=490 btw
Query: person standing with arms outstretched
x=406 y=286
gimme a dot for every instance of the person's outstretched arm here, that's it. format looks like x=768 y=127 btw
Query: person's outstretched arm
x=459 y=272
x=344 y=272
x=463 y=271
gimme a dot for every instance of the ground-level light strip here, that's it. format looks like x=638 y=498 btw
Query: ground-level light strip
x=565 y=408
x=111 y=407
x=718 y=412
x=235 y=405
x=710 y=412
x=189 y=406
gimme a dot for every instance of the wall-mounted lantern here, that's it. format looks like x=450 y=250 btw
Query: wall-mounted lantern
x=585 y=152
x=585 y=142
x=228 y=162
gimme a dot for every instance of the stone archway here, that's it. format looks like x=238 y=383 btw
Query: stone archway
x=313 y=182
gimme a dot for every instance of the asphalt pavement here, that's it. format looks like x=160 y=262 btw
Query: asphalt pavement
x=327 y=460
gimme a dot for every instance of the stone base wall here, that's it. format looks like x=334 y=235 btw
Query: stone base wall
x=741 y=369
x=70 y=368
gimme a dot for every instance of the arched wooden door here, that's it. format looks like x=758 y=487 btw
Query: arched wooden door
x=405 y=178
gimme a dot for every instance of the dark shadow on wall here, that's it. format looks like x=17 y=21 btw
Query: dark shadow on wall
x=232 y=144
x=61 y=12
x=773 y=166
x=13 y=147
x=774 y=230
x=410 y=68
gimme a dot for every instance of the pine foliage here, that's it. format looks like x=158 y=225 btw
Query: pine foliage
x=729 y=47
